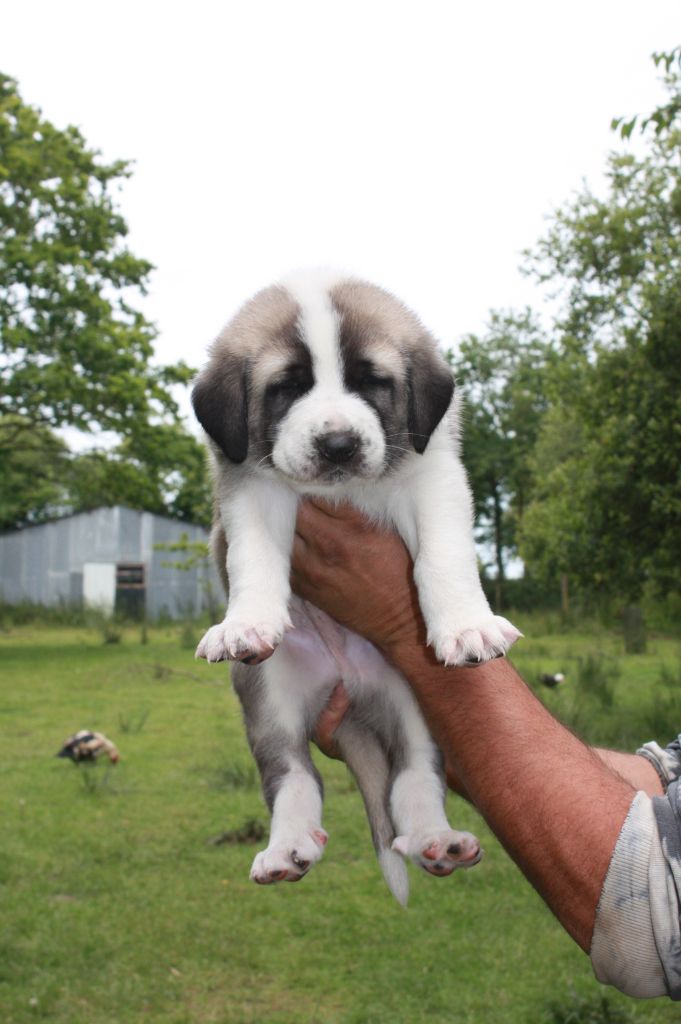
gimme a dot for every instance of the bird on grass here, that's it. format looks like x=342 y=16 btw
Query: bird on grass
x=551 y=679
x=88 y=746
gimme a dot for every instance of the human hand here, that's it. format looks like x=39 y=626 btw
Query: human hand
x=357 y=573
x=331 y=717
x=329 y=720
x=362 y=577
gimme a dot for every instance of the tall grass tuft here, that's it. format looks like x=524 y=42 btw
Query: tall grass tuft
x=188 y=639
x=132 y=723
x=596 y=677
x=661 y=715
x=235 y=776
x=594 y=1009
x=252 y=831
x=94 y=777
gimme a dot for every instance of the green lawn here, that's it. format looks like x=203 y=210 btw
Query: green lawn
x=116 y=907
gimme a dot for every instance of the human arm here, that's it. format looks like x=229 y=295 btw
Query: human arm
x=555 y=804
x=635 y=770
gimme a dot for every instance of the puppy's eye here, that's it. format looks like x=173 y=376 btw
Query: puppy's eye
x=374 y=380
x=289 y=387
x=366 y=376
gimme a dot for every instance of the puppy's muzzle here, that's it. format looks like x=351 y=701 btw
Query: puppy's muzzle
x=338 y=446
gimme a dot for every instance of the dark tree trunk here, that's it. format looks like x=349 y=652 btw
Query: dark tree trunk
x=498 y=552
x=564 y=596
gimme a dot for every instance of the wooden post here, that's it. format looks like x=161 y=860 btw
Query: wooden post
x=634 y=630
x=564 y=595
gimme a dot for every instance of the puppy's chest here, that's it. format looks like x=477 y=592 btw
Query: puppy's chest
x=324 y=652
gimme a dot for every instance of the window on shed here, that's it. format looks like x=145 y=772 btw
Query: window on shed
x=130 y=575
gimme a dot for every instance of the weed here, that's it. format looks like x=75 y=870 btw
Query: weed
x=94 y=778
x=112 y=633
x=670 y=677
x=252 y=831
x=236 y=776
x=188 y=639
x=587 y=1010
x=109 y=628
x=133 y=723
x=595 y=678
x=661 y=716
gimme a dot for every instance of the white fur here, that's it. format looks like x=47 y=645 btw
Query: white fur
x=323 y=409
x=425 y=499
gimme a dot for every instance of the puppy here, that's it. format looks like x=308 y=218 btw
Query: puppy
x=327 y=385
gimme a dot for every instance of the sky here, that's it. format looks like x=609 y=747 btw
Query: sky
x=419 y=144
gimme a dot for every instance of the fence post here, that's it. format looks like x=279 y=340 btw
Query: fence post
x=634 y=630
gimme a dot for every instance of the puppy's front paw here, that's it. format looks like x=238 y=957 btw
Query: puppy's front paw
x=441 y=852
x=472 y=644
x=290 y=860
x=234 y=640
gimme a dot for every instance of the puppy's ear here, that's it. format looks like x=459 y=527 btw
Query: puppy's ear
x=220 y=400
x=431 y=386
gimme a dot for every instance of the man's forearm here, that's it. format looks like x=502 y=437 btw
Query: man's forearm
x=556 y=806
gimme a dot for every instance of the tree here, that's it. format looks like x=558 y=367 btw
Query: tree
x=617 y=262
x=501 y=375
x=31 y=475
x=163 y=472
x=73 y=350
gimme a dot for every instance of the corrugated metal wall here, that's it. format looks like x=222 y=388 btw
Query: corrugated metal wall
x=44 y=564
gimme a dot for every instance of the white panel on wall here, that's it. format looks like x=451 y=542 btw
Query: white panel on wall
x=99 y=585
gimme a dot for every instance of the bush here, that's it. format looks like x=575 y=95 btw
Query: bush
x=28 y=612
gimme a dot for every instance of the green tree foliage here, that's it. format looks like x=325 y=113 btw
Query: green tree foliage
x=165 y=474
x=42 y=479
x=607 y=502
x=30 y=474
x=501 y=375
x=74 y=351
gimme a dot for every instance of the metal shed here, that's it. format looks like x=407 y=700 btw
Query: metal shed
x=107 y=558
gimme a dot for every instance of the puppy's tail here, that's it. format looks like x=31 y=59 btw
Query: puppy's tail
x=366 y=760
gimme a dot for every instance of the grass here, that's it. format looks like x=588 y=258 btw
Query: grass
x=125 y=893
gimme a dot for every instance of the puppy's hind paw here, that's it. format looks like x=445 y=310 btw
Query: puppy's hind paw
x=476 y=643
x=288 y=861
x=441 y=852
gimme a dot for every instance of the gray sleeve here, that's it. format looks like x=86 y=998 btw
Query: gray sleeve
x=636 y=943
x=666 y=896
x=666 y=762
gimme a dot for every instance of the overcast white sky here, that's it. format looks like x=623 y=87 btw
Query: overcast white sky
x=419 y=144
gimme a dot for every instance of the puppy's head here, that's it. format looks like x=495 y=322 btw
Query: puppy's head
x=323 y=380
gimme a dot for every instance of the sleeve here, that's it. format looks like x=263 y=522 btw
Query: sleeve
x=636 y=943
x=667 y=762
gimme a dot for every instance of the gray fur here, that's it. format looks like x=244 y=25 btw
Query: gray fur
x=271 y=747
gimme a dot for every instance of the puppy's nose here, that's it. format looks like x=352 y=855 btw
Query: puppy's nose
x=338 y=445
